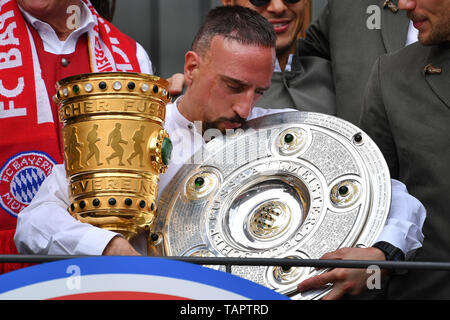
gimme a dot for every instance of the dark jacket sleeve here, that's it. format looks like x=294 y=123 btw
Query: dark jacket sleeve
x=316 y=41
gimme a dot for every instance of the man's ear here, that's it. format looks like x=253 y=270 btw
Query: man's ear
x=191 y=65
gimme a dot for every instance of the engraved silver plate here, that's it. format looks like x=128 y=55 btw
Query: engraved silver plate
x=290 y=185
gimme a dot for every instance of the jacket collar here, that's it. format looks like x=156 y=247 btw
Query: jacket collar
x=394 y=26
x=439 y=78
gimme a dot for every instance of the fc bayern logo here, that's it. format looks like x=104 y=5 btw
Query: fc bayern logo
x=20 y=179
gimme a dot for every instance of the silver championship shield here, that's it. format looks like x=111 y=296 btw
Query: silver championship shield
x=290 y=185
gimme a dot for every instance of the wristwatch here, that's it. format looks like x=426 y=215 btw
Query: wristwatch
x=392 y=253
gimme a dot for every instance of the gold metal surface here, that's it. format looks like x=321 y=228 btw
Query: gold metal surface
x=113 y=147
x=269 y=219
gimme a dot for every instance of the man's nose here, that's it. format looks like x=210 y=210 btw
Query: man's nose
x=406 y=4
x=276 y=6
x=243 y=107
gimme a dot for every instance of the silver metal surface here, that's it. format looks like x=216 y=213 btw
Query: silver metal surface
x=290 y=185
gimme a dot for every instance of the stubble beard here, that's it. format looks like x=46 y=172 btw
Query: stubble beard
x=439 y=33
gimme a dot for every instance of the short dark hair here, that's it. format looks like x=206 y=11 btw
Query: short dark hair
x=237 y=23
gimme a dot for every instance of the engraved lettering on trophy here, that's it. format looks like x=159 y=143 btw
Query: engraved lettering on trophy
x=220 y=244
x=134 y=185
x=126 y=185
x=160 y=111
x=218 y=241
x=142 y=107
x=102 y=105
x=84 y=186
x=147 y=186
x=309 y=224
x=76 y=108
x=289 y=167
x=305 y=174
x=92 y=139
x=112 y=184
x=272 y=165
x=88 y=107
x=73 y=153
x=315 y=210
x=223 y=193
x=133 y=105
x=215 y=208
x=67 y=111
x=216 y=205
x=314 y=185
x=298 y=237
x=237 y=181
x=129 y=104
x=138 y=139
x=114 y=140
x=72 y=109
x=274 y=251
x=145 y=106
x=154 y=109
x=97 y=184
x=78 y=187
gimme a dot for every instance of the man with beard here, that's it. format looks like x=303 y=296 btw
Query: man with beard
x=351 y=35
x=407 y=112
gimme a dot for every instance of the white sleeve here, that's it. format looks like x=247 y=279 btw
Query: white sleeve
x=143 y=60
x=403 y=227
x=46 y=227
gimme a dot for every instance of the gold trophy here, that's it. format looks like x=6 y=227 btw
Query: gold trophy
x=115 y=147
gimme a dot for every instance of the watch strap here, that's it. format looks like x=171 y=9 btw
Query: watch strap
x=391 y=252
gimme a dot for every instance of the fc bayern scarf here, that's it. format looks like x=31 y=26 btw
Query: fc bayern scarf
x=29 y=144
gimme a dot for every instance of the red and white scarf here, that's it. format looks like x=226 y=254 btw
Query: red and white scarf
x=28 y=138
x=19 y=66
x=109 y=47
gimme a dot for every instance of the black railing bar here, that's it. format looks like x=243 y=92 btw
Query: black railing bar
x=316 y=263
x=283 y=262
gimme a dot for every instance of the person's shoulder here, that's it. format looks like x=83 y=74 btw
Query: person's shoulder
x=409 y=60
x=411 y=53
x=307 y=63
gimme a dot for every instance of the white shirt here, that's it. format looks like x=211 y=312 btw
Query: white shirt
x=288 y=66
x=46 y=227
x=413 y=34
x=52 y=44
